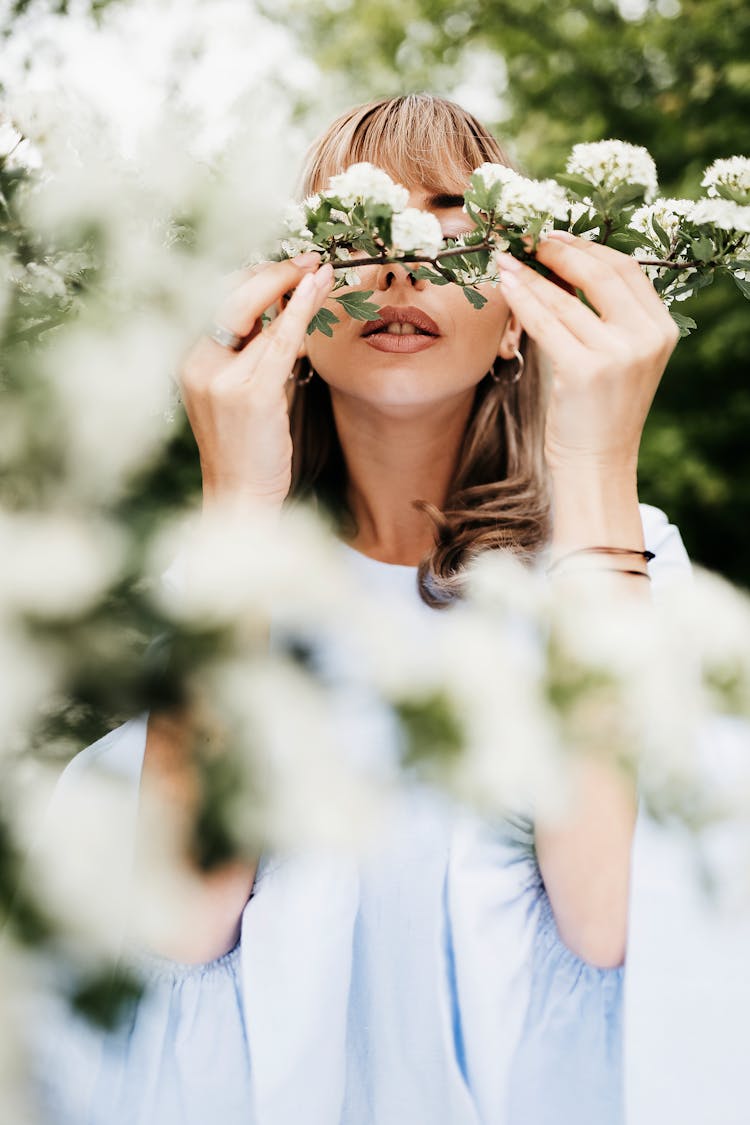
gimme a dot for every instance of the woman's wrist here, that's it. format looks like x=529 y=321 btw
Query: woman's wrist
x=234 y=504
x=595 y=505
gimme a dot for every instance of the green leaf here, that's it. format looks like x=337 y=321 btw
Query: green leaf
x=702 y=248
x=742 y=285
x=484 y=198
x=724 y=192
x=475 y=298
x=431 y=729
x=358 y=306
x=685 y=323
x=694 y=283
x=625 y=240
x=577 y=185
x=323 y=321
x=324 y=232
x=625 y=194
x=426 y=273
x=660 y=233
x=585 y=222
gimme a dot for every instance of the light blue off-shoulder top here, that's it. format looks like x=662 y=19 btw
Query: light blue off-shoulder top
x=426 y=984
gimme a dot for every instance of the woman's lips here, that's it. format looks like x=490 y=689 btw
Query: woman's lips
x=413 y=342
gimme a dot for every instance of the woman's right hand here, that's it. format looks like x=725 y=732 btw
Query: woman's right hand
x=236 y=402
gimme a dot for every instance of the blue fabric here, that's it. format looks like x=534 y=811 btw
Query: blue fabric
x=425 y=984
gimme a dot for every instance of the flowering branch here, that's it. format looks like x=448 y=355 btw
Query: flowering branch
x=608 y=194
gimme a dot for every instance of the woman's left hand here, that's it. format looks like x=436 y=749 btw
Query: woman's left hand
x=605 y=368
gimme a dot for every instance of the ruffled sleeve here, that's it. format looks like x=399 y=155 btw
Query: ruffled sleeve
x=539 y=1029
x=179 y=1058
x=687 y=983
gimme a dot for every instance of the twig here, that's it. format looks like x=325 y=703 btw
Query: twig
x=459 y=252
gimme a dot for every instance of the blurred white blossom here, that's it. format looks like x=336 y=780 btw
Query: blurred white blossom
x=56 y=564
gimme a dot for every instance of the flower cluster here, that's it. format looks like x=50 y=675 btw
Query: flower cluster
x=363 y=181
x=612 y=165
x=416 y=230
x=728 y=179
x=607 y=194
x=516 y=200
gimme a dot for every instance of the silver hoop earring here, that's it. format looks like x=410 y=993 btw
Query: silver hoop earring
x=516 y=374
x=311 y=371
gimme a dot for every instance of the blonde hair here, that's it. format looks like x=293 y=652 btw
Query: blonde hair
x=498 y=496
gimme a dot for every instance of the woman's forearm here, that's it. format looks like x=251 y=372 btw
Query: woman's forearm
x=212 y=903
x=585 y=859
x=209 y=905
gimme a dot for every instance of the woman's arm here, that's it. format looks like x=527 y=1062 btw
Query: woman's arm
x=237 y=405
x=606 y=366
x=585 y=862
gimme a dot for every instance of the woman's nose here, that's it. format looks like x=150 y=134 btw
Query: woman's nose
x=393 y=273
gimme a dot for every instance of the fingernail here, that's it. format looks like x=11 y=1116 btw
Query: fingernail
x=508 y=262
x=561 y=235
x=508 y=280
x=324 y=276
x=307 y=285
x=304 y=261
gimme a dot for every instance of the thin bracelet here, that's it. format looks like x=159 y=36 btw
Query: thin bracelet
x=647 y=555
x=599 y=569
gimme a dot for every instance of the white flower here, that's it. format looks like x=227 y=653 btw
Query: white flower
x=302 y=779
x=416 y=230
x=732 y=173
x=112 y=386
x=493 y=174
x=54 y=564
x=10 y=138
x=668 y=213
x=348 y=277
x=741 y=254
x=295 y=220
x=81 y=862
x=523 y=200
x=609 y=164
x=365 y=181
x=721 y=213
x=30 y=677
x=294 y=246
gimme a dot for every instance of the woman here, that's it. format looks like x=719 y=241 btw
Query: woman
x=472 y=973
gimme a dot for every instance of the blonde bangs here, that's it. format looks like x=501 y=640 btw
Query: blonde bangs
x=420 y=140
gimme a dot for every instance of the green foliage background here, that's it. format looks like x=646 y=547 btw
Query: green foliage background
x=675 y=79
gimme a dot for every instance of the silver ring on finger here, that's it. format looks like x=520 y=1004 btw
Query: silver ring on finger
x=226 y=337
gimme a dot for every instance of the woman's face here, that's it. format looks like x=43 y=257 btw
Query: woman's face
x=411 y=368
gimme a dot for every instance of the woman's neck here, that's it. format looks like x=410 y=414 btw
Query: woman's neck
x=393 y=459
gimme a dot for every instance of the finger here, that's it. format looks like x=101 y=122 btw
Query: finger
x=277 y=349
x=241 y=313
x=559 y=306
x=615 y=280
x=245 y=304
x=540 y=322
